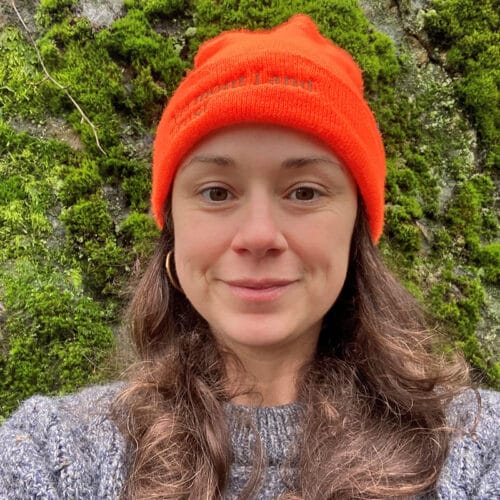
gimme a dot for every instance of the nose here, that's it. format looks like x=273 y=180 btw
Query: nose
x=259 y=232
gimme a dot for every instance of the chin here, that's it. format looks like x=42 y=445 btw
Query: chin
x=260 y=333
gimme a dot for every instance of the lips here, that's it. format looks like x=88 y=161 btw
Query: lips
x=263 y=290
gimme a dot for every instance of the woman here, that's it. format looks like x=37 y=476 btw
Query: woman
x=279 y=356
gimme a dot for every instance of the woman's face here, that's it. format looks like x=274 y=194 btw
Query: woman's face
x=263 y=217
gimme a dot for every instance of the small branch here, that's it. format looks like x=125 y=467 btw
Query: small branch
x=55 y=82
x=35 y=84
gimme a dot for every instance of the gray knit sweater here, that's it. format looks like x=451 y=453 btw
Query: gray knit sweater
x=68 y=448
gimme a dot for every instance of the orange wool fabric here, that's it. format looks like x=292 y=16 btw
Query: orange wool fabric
x=291 y=76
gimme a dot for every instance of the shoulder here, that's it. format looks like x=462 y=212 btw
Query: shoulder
x=472 y=469
x=63 y=447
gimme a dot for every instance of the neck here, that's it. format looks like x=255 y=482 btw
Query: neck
x=268 y=377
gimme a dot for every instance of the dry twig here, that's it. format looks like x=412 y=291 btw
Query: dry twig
x=55 y=82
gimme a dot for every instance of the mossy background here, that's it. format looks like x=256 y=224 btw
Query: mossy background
x=74 y=223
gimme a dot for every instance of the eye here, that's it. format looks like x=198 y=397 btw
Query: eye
x=304 y=193
x=216 y=194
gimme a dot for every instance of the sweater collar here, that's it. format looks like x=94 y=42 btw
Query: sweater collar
x=277 y=428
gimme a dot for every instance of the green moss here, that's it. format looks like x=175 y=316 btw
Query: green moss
x=137 y=188
x=145 y=94
x=56 y=336
x=87 y=220
x=133 y=40
x=158 y=8
x=469 y=31
x=425 y=136
x=59 y=236
x=80 y=182
x=53 y=11
x=21 y=91
x=489 y=258
x=457 y=300
x=12 y=188
x=402 y=235
x=469 y=213
x=402 y=212
x=91 y=244
x=104 y=265
x=90 y=76
x=27 y=192
x=140 y=232
x=116 y=166
x=133 y=177
x=442 y=244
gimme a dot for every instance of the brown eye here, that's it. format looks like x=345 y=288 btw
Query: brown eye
x=216 y=194
x=304 y=193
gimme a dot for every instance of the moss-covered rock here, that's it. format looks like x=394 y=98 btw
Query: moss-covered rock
x=469 y=32
x=54 y=338
x=67 y=250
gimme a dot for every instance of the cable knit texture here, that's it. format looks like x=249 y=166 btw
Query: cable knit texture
x=68 y=448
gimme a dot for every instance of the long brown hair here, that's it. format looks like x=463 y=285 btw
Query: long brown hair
x=374 y=397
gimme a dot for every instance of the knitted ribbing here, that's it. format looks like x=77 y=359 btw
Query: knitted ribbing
x=62 y=448
x=270 y=431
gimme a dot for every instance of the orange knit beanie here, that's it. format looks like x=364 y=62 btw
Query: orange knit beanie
x=291 y=76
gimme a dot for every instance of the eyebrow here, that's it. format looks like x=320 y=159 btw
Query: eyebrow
x=226 y=161
x=223 y=161
x=310 y=160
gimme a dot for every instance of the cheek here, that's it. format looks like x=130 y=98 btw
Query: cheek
x=198 y=246
x=325 y=255
x=326 y=242
x=332 y=260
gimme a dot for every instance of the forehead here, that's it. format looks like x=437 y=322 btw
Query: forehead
x=255 y=143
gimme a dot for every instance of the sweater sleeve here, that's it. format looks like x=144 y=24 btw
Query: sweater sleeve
x=472 y=469
x=25 y=470
x=61 y=448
